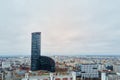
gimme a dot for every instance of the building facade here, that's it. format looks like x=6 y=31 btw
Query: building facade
x=46 y=63
x=89 y=71
x=35 y=50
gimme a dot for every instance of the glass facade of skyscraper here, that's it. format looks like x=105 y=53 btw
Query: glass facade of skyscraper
x=35 y=51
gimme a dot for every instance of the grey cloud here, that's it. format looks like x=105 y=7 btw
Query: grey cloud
x=67 y=26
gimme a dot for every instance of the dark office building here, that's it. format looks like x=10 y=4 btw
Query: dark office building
x=46 y=63
x=35 y=51
x=109 y=67
x=39 y=62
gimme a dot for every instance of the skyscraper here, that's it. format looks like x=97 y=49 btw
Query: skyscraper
x=39 y=62
x=35 y=50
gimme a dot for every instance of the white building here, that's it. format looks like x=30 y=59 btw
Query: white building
x=6 y=65
x=110 y=76
x=89 y=71
x=101 y=67
x=116 y=68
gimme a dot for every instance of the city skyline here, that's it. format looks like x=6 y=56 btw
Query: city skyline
x=68 y=27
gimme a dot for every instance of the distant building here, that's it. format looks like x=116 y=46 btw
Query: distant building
x=35 y=51
x=110 y=76
x=86 y=71
x=89 y=70
x=109 y=66
x=116 y=68
x=6 y=65
x=46 y=63
x=39 y=62
x=101 y=67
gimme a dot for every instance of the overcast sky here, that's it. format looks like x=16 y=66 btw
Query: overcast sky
x=68 y=26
